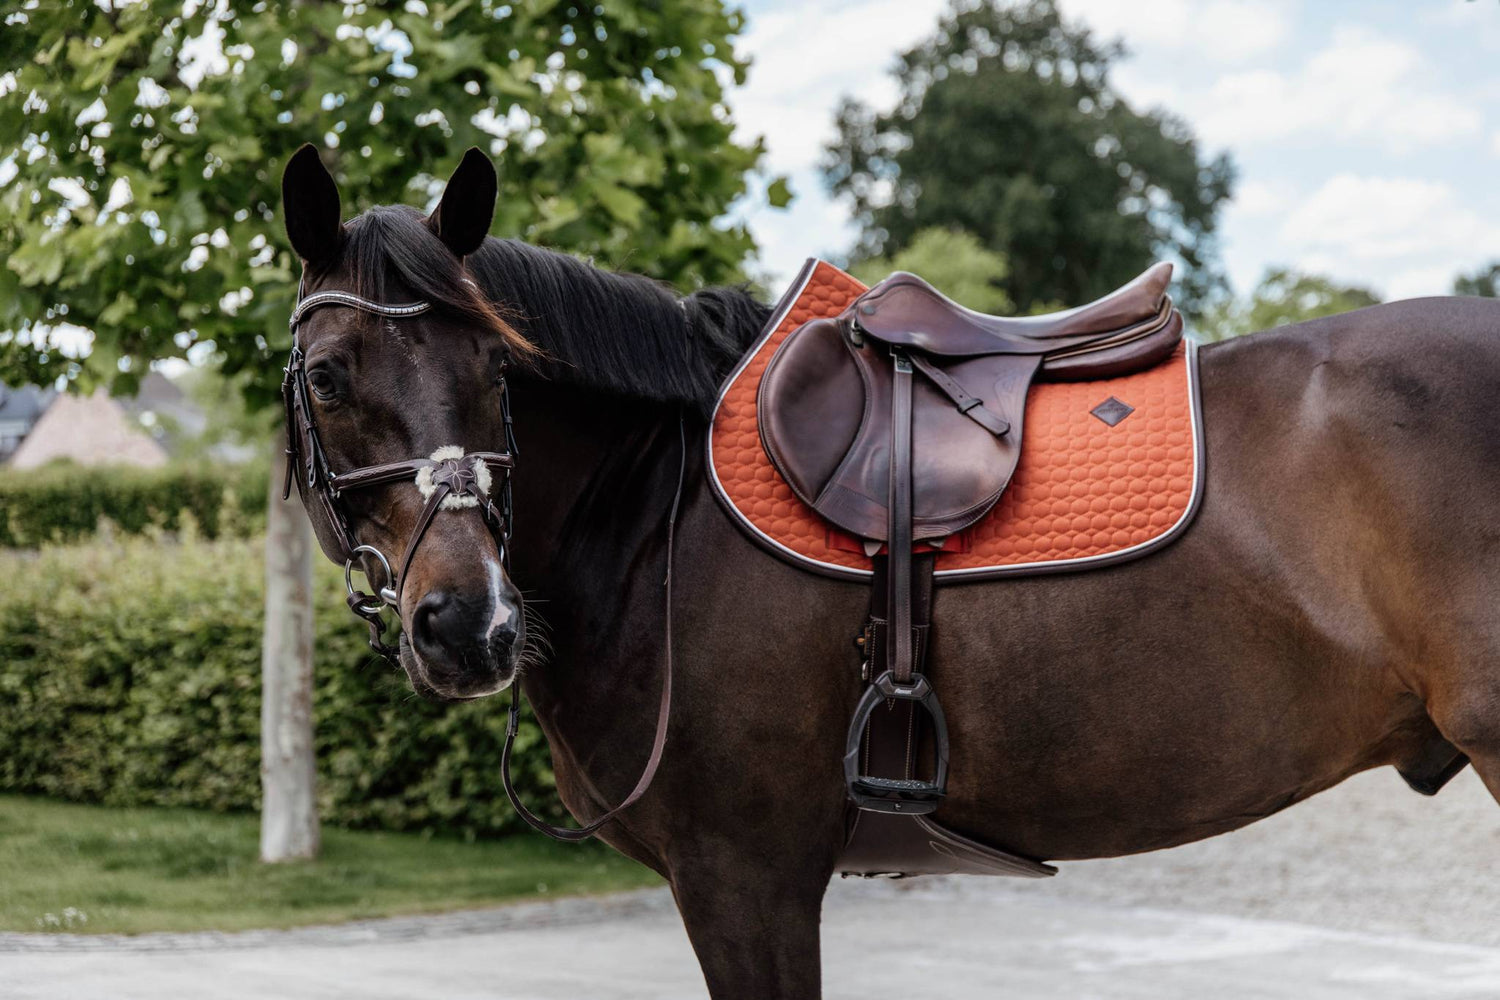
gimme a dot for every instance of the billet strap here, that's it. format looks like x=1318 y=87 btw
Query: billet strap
x=663 y=711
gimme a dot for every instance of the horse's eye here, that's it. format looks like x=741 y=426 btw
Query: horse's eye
x=321 y=383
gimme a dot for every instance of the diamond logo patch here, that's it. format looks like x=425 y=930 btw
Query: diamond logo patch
x=1112 y=411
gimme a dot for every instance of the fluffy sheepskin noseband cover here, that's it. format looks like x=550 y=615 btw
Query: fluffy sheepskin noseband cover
x=453 y=501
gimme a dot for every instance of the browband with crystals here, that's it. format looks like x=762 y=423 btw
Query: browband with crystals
x=336 y=298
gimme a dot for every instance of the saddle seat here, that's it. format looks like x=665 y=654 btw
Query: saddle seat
x=954 y=329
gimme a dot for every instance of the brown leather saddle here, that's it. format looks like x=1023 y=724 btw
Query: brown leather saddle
x=900 y=422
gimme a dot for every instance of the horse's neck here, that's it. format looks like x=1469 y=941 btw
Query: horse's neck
x=595 y=478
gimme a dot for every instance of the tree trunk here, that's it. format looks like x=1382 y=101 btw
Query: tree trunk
x=288 y=775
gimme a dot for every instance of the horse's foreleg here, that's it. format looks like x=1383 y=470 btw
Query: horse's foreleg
x=754 y=928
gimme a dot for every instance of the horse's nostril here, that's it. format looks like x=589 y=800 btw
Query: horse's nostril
x=502 y=637
x=437 y=626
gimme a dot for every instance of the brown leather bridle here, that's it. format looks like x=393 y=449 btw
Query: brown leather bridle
x=459 y=476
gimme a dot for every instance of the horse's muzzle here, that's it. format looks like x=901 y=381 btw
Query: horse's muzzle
x=456 y=651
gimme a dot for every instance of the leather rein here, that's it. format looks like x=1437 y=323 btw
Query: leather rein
x=446 y=481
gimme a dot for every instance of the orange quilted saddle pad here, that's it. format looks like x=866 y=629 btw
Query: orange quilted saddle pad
x=1086 y=493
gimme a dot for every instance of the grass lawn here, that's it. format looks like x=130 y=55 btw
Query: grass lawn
x=134 y=870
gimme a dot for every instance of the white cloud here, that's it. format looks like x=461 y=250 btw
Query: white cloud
x=1420 y=280
x=1295 y=100
x=806 y=57
x=1375 y=217
x=1362 y=86
x=1256 y=197
x=1225 y=30
x=93 y=113
x=815 y=225
x=1405 y=235
x=72 y=190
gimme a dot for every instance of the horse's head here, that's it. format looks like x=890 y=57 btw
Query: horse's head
x=399 y=421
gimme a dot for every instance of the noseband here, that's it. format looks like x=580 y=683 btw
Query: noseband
x=448 y=480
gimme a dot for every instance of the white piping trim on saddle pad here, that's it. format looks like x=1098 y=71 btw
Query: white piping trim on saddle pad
x=453 y=501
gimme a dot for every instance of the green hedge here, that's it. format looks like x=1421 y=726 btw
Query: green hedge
x=66 y=503
x=130 y=675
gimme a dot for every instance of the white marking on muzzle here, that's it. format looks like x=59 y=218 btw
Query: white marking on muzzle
x=501 y=613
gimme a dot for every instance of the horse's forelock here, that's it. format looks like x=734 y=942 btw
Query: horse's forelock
x=394 y=243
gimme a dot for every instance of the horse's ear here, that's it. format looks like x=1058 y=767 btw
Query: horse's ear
x=310 y=202
x=463 y=216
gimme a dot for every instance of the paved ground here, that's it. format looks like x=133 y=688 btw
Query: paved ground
x=1366 y=892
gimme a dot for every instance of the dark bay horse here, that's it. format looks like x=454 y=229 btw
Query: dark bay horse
x=1332 y=609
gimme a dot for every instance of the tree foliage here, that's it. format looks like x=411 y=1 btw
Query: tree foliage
x=147 y=139
x=954 y=261
x=1008 y=127
x=1484 y=282
x=1283 y=296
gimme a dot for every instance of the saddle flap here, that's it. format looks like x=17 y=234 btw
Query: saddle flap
x=824 y=406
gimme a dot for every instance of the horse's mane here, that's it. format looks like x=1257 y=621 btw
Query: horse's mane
x=570 y=321
x=621 y=333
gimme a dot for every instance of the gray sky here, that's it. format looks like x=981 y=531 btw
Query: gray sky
x=1367 y=132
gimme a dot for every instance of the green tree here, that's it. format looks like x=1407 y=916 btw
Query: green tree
x=1008 y=127
x=147 y=140
x=1484 y=282
x=141 y=146
x=954 y=261
x=1283 y=296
